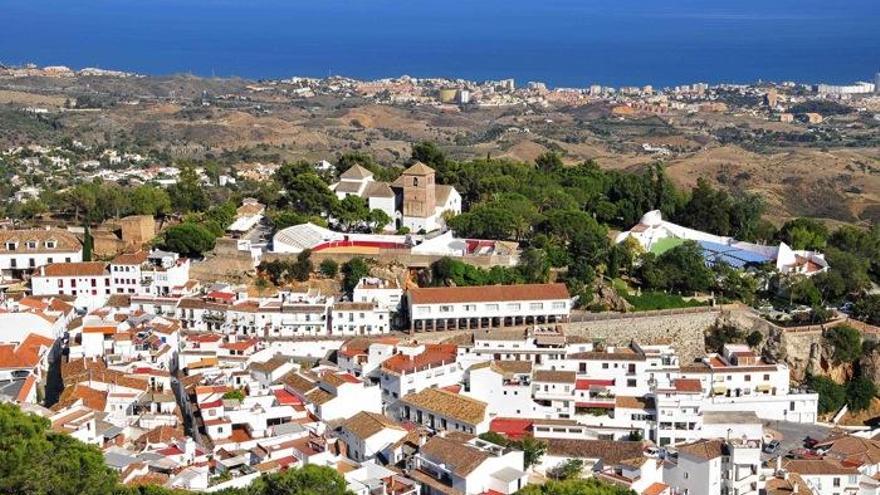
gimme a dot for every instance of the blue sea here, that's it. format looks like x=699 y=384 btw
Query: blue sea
x=560 y=42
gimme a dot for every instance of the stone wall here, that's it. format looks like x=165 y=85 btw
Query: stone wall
x=684 y=330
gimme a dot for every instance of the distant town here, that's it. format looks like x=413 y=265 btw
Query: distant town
x=220 y=319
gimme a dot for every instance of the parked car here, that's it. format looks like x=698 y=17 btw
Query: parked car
x=771 y=447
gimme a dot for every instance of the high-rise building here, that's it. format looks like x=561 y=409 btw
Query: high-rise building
x=877 y=83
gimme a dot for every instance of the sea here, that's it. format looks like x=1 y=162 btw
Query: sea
x=564 y=43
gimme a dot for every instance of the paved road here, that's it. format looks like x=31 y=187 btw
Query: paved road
x=792 y=435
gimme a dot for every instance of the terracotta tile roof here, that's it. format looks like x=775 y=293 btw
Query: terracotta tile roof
x=818 y=467
x=852 y=449
x=298 y=383
x=628 y=402
x=366 y=424
x=353 y=306
x=488 y=293
x=703 y=449
x=337 y=379
x=161 y=435
x=319 y=396
x=26 y=354
x=506 y=368
x=418 y=168
x=83 y=269
x=91 y=398
x=607 y=356
x=462 y=459
x=794 y=484
x=66 y=242
x=687 y=385
x=655 y=489
x=608 y=451
x=269 y=366
x=448 y=404
x=377 y=189
x=550 y=376
x=433 y=356
x=136 y=259
x=356 y=172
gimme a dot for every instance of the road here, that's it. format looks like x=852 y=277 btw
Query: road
x=792 y=435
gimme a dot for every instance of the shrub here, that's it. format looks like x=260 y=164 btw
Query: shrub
x=847 y=343
x=329 y=268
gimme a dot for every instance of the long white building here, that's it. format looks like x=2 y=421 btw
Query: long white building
x=23 y=251
x=453 y=308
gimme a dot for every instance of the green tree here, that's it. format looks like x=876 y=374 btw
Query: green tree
x=88 y=244
x=549 y=162
x=754 y=339
x=533 y=450
x=261 y=284
x=310 y=479
x=574 y=486
x=352 y=272
x=804 y=233
x=867 y=308
x=187 y=194
x=860 y=393
x=534 y=265
x=236 y=394
x=188 y=239
x=831 y=395
x=149 y=200
x=308 y=194
x=286 y=218
x=846 y=342
x=351 y=212
x=429 y=154
x=378 y=219
x=302 y=268
x=494 y=437
x=567 y=469
x=329 y=268
x=36 y=460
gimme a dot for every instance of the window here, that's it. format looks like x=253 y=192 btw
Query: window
x=50 y=244
x=11 y=246
x=631 y=383
x=470 y=307
x=766 y=378
x=31 y=244
x=836 y=482
x=536 y=306
x=491 y=307
x=513 y=307
x=604 y=366
x=447 y=308
x=559 y=305
x=748 y=378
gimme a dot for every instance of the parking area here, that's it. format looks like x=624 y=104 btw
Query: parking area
x=792 y=435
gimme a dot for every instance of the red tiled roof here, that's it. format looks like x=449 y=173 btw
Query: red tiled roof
x=586 y=383
x=83 y=269
x=434 y=355
x=513 y=428
x=687 y=385
x=24 y=355
x=488 y=293
x=286 y=398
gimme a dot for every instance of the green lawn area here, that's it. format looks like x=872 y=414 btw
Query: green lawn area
x=665 y=244
x=658 y=300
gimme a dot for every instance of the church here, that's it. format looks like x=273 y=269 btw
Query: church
x=414 y=200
